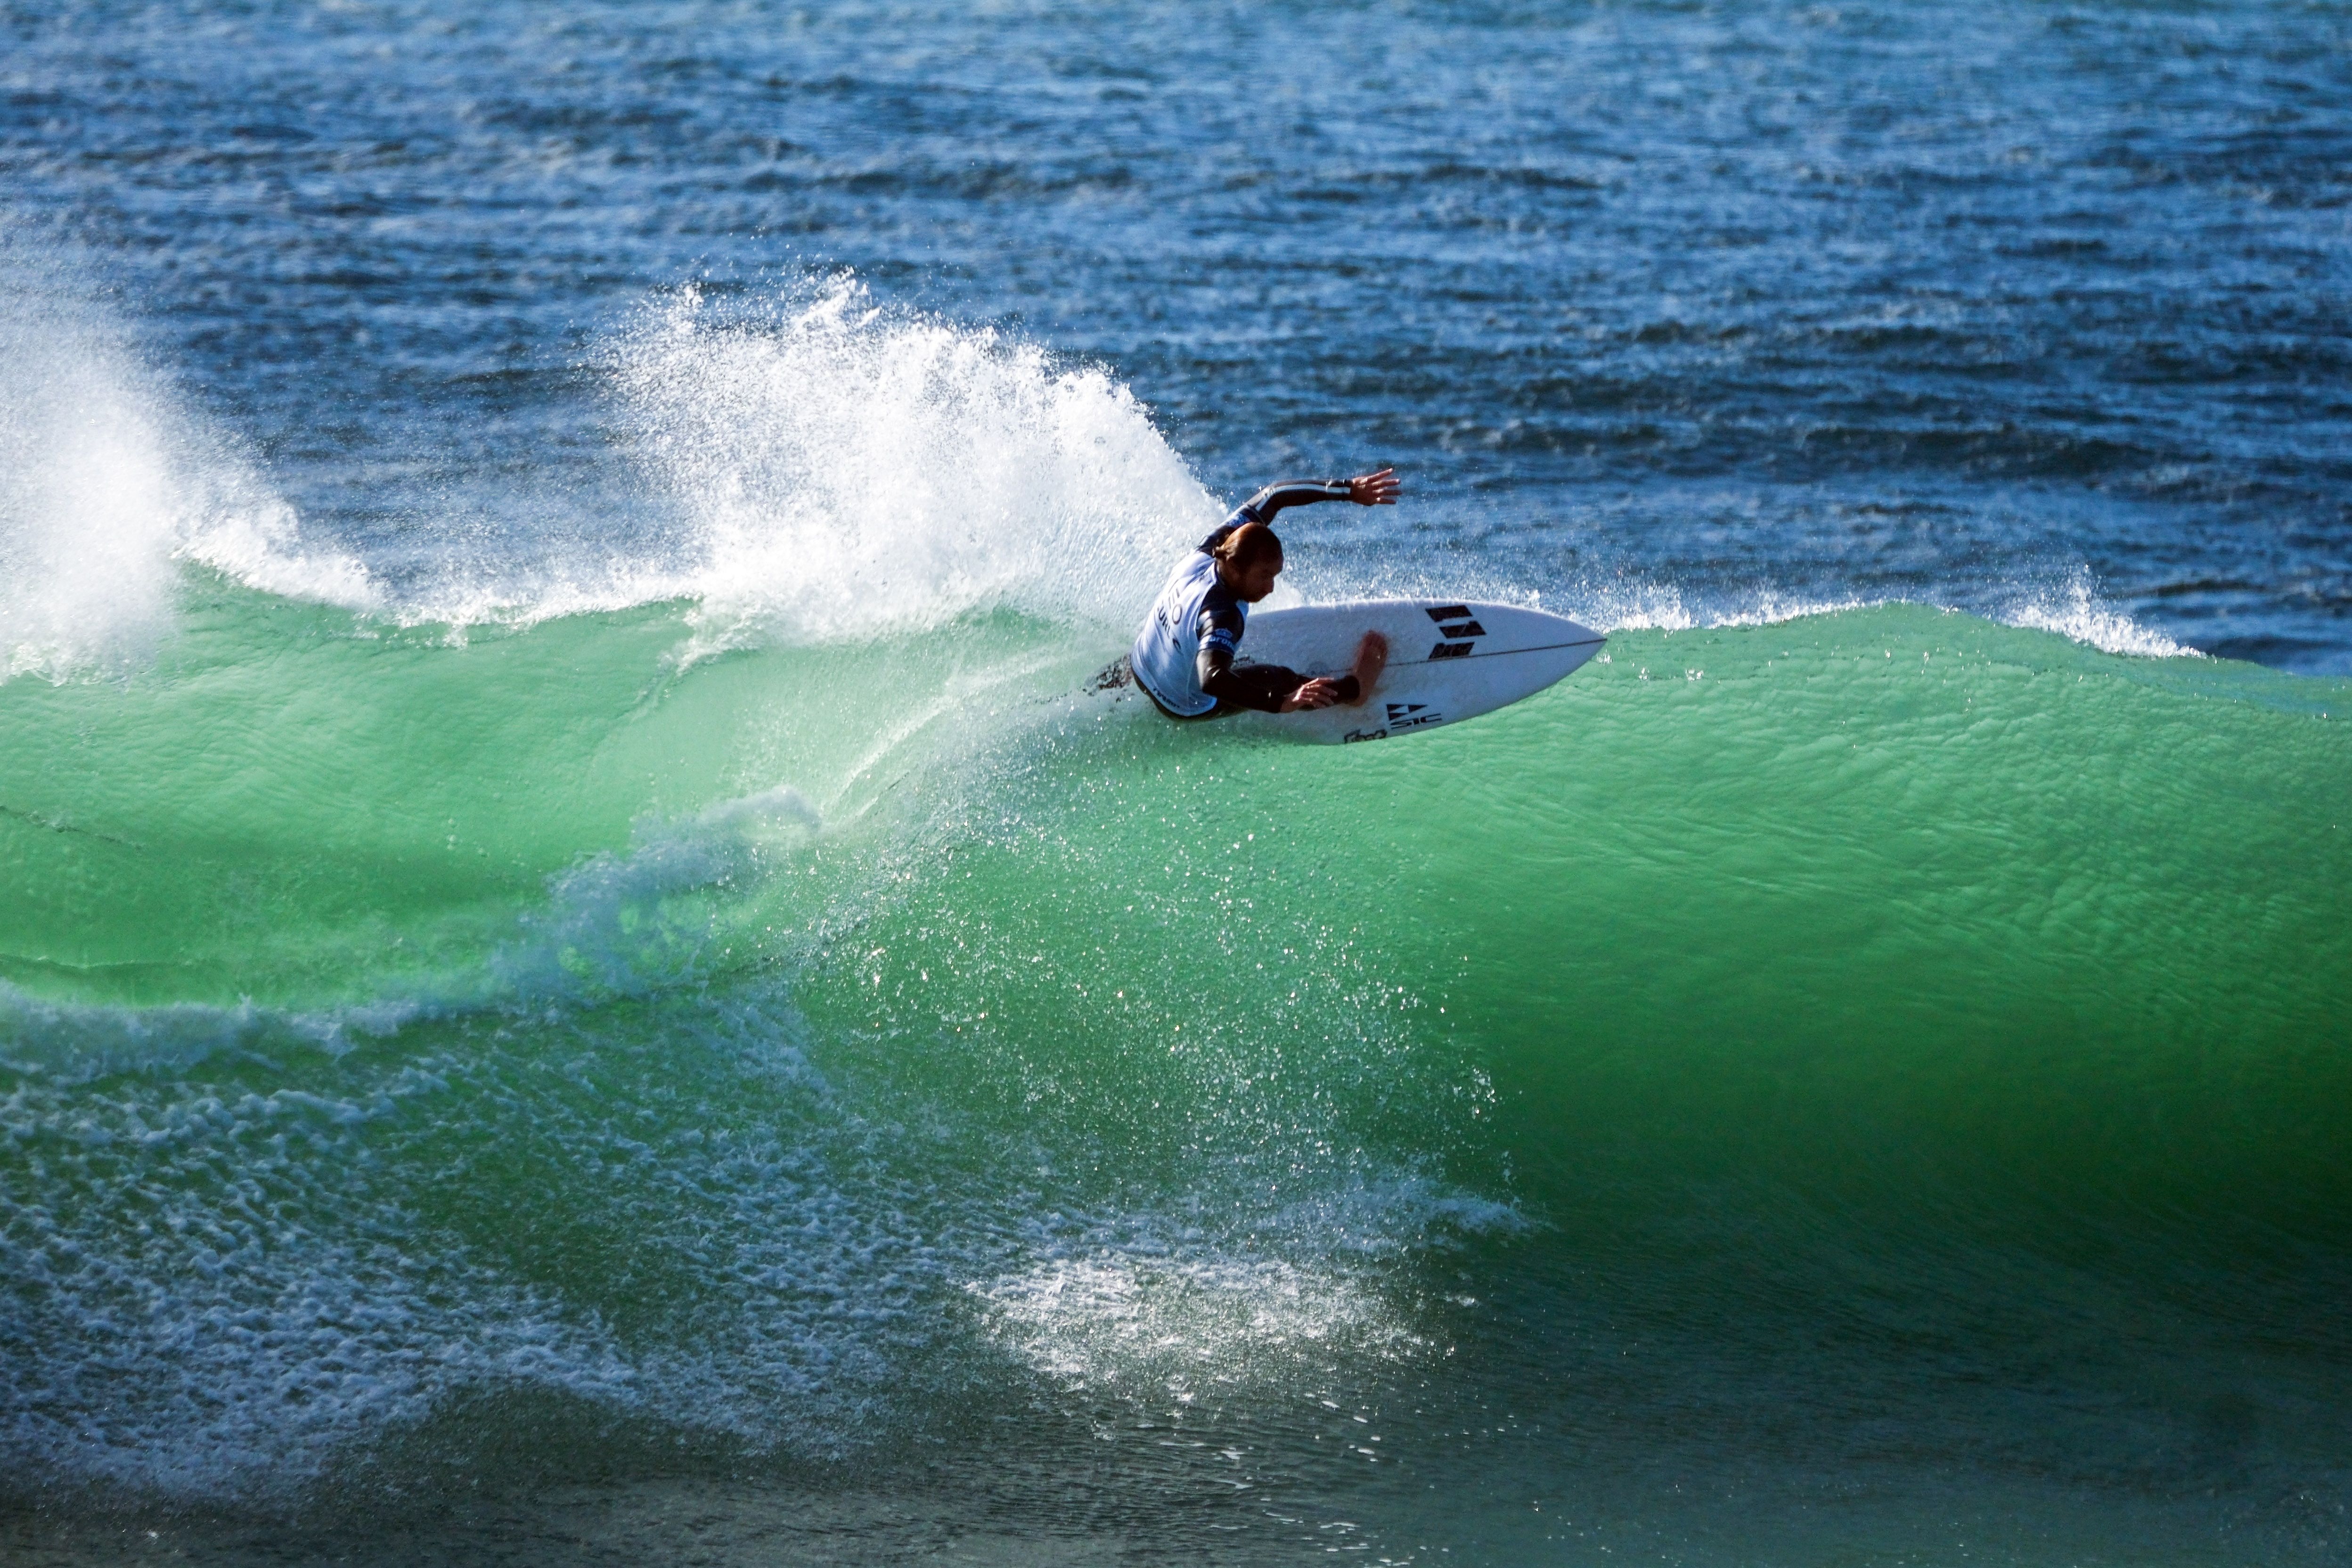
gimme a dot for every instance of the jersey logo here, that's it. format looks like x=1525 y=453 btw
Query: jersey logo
x=1459 y=633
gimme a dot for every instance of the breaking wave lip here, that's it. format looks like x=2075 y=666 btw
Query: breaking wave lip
x=810 y=465
x=1666 y=610
x=2076 y=612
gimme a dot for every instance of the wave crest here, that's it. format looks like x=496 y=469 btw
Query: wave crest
x=2073 y=611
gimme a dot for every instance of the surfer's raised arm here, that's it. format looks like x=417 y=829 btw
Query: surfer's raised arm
x=1184 y=656
x=1377 y=488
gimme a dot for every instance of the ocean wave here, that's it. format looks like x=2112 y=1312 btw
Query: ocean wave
x=1043 y=1120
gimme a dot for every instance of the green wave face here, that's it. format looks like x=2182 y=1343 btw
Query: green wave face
x=1885 y=1000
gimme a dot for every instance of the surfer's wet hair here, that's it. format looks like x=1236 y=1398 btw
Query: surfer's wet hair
x=1248 y=545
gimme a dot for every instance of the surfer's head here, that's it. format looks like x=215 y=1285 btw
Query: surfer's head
x=1249 y=559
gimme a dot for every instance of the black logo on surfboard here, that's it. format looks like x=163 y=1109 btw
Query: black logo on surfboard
x=1413 y=716
x=1454 y=624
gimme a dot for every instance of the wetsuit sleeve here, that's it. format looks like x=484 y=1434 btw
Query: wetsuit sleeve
x=1220 y=637
x=1250 y=689
x=1261 y=507
x=1263 y=687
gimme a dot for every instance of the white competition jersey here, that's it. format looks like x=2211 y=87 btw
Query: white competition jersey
x=1166 y=656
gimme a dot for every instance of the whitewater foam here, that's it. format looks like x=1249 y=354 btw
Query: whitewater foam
x=2071 y=608
x=820 y=469
x=1116 y=1320
x=1664 y=607
x=807 y=466
x=106 y=484
x=1163 y=1306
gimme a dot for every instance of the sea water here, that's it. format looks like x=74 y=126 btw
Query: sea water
x=578 y=982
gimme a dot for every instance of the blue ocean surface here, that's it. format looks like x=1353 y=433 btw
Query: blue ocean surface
x=581 y=979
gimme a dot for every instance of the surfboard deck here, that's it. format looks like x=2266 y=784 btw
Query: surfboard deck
x=1449 y=659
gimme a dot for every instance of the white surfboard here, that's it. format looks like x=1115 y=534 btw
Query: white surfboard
x=1449 y=659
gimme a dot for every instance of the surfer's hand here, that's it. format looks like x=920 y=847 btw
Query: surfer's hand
x=1317 y=693
x=1374 y=490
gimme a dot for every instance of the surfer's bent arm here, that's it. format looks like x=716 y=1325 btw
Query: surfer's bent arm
x=1220 y=635
x=1269 y=689
x=1215 y=670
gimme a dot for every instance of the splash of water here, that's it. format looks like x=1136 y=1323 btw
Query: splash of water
x=2072 y=610
x=106 y=484
x=849 y=471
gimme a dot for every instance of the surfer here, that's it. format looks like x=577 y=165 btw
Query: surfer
x=1184 y=656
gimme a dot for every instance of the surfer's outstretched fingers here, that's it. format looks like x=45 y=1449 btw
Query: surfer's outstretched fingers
x=1372 y=657
x=1377 y=488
